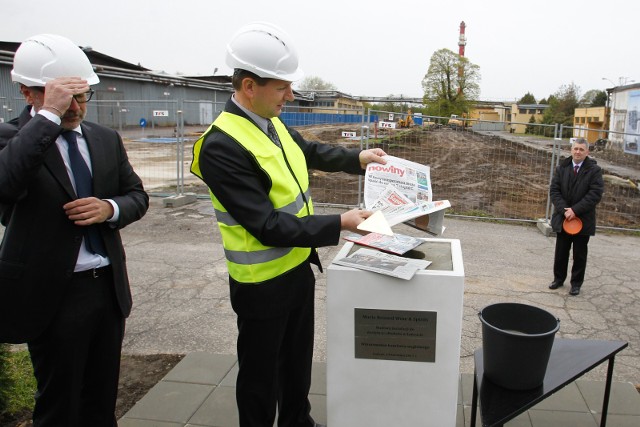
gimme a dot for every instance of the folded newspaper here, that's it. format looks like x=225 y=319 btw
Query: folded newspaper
x=401 y=191
x=397 y=244
x=383 y=263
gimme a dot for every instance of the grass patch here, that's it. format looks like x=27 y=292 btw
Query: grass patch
x=17 y=383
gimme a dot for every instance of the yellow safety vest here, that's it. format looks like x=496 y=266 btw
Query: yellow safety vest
x=248 y=260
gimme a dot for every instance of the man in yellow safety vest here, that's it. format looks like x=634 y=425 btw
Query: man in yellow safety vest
x=257 y=171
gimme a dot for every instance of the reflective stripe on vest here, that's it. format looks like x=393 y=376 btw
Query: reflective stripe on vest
x=248 y=260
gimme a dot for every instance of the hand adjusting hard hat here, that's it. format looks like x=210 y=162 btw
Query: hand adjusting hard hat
x=47 y=56
x=265 y=50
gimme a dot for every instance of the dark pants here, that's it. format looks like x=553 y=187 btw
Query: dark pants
x=564 y=242
x=274 y=358
x=76 y=360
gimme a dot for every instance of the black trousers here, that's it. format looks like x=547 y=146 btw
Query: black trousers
x=564 y=242
x=76 y=360
x=274 y=359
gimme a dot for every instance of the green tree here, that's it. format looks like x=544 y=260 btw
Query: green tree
x=594 y=98
x=530 y=128
x=528 y=98
x=600 y=100
x=315 y=83
x=451 y=85
x=562 y=105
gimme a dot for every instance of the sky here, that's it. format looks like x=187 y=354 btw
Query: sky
x=364 y=48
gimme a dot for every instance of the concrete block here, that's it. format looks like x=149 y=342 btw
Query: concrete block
x=179 y=200
x=544 y=227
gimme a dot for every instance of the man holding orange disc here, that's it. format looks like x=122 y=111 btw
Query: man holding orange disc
x=576 y=189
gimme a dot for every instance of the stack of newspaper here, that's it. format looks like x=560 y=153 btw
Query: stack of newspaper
x=383 y=263
x=401 y=191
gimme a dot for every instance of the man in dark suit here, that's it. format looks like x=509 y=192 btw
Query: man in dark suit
x=64 y=196
x=576 y=189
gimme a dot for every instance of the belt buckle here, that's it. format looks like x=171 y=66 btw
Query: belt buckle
x=94 y=273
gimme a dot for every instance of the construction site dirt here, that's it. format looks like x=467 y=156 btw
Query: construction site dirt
x=482 y=174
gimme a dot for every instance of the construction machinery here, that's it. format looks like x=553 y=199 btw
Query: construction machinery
x=406 y=122
x=456 y=122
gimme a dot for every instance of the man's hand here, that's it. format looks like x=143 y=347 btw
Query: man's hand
x=89 y=210
x=59 y=93
x=351 y=219
x=371 y=155
x=569 y=214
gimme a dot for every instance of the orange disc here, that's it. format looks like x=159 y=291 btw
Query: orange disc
x=572 y=227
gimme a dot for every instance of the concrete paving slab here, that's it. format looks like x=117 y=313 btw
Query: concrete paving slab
x=568 y=398
x=131 y=422
x=201 y=368
x=218 y=410
x=171 y=401
x=560 y=418
x=174 y=403
x=624 y=400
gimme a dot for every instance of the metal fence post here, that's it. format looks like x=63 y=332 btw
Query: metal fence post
x=180 y=148
x=555 y=147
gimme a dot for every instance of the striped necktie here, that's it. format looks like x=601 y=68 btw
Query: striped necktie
x=273 y=135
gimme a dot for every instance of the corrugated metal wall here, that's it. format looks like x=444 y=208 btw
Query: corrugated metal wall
x=11 y=101
x=122 y=102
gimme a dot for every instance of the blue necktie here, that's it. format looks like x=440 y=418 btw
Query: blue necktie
x=84 y=188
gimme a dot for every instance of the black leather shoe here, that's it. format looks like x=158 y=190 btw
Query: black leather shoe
x=575 y=290
x=555 y=285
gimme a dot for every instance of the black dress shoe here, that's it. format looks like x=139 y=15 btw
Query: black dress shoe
x=555 y=285
x=575 y=290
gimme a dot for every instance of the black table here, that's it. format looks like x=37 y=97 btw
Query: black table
x=569 y=360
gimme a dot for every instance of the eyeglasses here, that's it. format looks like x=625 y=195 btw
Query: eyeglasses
x=81 y=98
x=84 y=97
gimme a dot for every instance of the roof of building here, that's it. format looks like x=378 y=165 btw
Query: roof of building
x=533 y=106
x=108 y=66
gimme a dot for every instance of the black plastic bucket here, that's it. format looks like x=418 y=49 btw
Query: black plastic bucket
x=516 y=344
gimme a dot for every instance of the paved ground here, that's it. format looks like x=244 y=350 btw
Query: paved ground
x=181 y=302
x=200 y=391
x=181 y=306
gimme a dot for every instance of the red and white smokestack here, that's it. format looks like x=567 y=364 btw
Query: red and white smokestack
x=462 y=40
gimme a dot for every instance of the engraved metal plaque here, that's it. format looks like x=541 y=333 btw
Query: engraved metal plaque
x=395 y=335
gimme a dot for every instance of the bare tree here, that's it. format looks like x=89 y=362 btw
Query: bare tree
x=315 y=83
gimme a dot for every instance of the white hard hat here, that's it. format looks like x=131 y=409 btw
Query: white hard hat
x=265 y=50
x=47 y=56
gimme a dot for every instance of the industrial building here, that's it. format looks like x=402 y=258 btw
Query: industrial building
x=128 y=93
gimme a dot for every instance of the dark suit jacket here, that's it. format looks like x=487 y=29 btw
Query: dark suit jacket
x=580 y=192
x=40 y=244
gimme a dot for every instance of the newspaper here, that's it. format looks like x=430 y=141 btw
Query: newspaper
x=410 y=179
x=401 y=190
x=397 y=244
x=383 y=263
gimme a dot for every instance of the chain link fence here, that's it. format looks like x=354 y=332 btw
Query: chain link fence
x=483 y=168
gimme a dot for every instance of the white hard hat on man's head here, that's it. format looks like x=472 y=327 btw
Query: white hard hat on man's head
x=47 y=56
x=265 y=50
